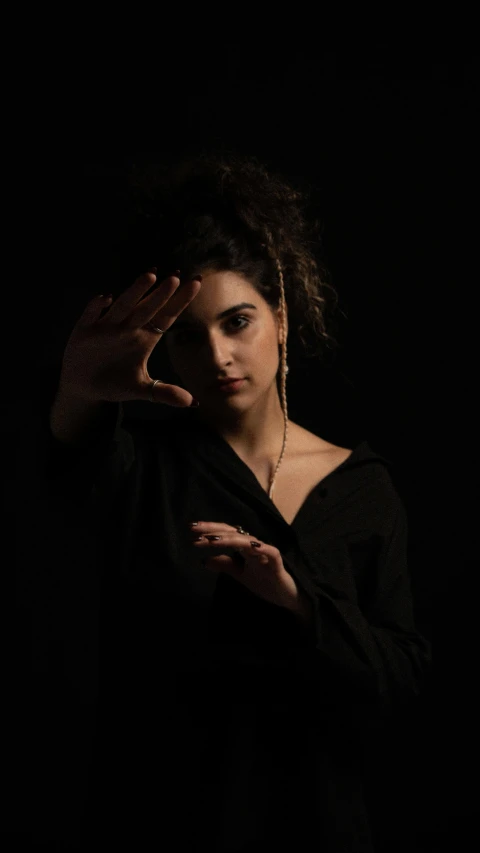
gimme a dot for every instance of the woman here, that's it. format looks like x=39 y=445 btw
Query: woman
x=256 y=618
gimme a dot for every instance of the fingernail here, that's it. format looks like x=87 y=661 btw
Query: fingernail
x=194 y=403
x=177 y=273
x=256 y=544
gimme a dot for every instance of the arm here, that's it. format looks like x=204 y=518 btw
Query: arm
x=303 y=609
x=349 y=635
x=82 y=450
x=74 y=421
x=374 y=653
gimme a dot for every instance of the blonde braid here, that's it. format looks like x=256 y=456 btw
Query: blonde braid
x=283 y=365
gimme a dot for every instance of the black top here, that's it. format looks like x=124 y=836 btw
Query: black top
x=220 y=715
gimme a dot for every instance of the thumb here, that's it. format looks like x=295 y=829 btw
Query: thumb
x=170 y=395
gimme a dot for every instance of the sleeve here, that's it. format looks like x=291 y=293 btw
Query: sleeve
x=81 y=473
x=374 y=654
x=79 y=476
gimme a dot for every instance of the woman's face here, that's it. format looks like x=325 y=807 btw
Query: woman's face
x=204 y=346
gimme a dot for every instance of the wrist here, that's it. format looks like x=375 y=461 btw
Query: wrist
x=302 y=608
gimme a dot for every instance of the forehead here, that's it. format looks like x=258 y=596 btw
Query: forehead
x=218 y=293
x=215 y=284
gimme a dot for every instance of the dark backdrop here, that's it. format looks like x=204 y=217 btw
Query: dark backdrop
x=388 y=142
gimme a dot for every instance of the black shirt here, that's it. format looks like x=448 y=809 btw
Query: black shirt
x=219 y=717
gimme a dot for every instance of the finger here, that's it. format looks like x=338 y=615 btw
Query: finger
x=170 y=395
x=213 y=527
x=125 y=303
x=231 y=541
x=262 y=553
x=261 y=558
x=221 y=563
x=163 y=312
x=94 y=309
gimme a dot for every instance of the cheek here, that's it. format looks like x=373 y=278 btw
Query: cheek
x=260 y=338
x=265 y=350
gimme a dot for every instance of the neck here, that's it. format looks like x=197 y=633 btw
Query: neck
x=255 y=434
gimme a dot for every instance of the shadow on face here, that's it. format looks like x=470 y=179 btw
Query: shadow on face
x=228 y=330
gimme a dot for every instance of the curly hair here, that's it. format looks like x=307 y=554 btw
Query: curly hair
x=221 y=210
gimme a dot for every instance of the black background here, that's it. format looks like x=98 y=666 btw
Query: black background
x=388 y=137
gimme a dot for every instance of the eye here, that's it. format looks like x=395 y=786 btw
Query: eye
x=240 y=317
x=182 y=332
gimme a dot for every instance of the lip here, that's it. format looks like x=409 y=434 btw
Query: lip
x=232 y=385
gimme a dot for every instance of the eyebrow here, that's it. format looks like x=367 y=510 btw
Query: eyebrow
x=179 y=323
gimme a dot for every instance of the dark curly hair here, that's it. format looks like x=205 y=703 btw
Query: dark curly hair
x=221 y=210
x=218 y=210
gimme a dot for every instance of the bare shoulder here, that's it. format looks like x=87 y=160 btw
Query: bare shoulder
x=308 y=443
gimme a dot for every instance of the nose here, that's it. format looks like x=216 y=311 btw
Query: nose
x=213 y=358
